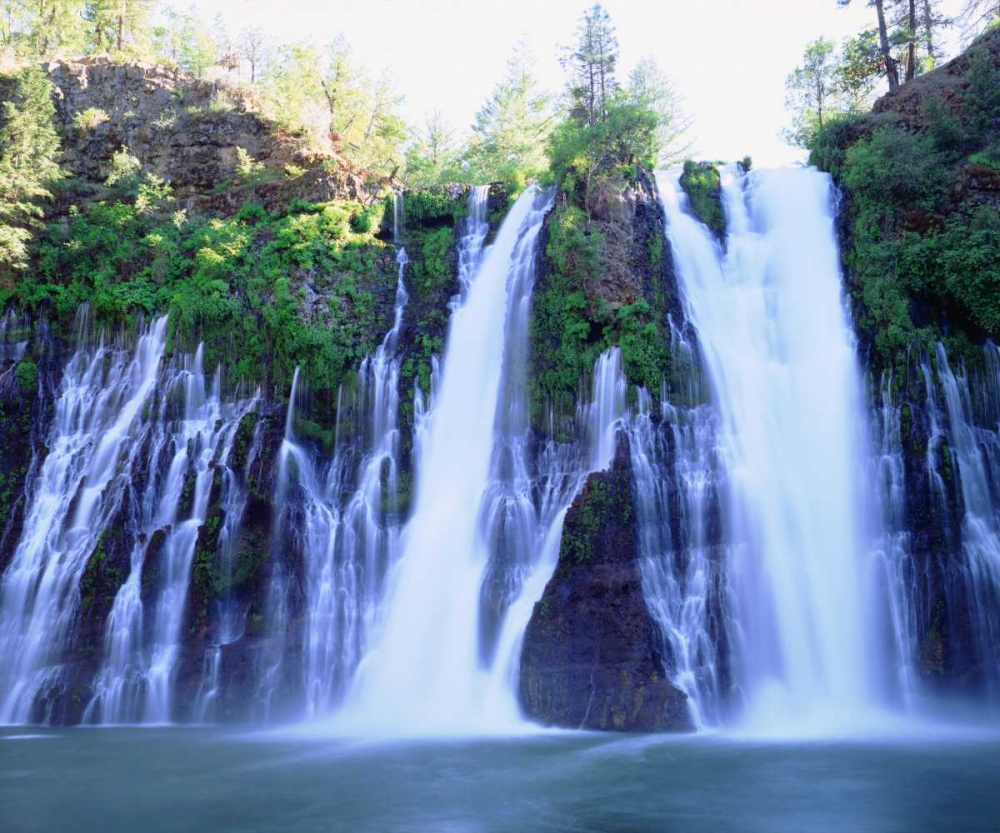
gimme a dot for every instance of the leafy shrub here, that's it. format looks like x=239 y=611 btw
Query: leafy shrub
x=89 y=119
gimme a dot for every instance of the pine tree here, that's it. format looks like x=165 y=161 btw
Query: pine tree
x=650 y=89
x=510 y=129
x=810 y=92
x=592 y=62
x=29 y=146
x=890 y=66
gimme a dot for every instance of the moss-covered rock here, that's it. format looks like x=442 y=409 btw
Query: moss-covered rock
x=606 y=279
x=702 y=183
x=590 y=658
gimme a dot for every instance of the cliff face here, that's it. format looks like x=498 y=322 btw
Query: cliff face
x=591 y=658
x=189 y=133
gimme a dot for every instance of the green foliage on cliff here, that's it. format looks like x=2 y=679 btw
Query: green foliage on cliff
x=29 y=147
x=573 y=322
x=602 y=282
x=265 y=293
x=924 y=246
x=703 y=185
x=430 y=220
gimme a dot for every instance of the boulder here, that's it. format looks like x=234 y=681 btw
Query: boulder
x=591 y=657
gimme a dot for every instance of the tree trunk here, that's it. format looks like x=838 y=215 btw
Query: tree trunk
x=929 y=30
x=891 y=71
x=911 y=49
x=121 y=25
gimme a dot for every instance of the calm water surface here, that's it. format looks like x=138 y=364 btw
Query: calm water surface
x=175 y=779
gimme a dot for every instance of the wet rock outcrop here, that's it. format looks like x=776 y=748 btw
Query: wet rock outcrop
x=590 y=658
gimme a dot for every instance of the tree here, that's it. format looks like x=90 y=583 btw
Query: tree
x=433 y=157
x=977 y=14
x=323 y=93
x=510 y=129
x=250 y=43
x=810 y=92
x=890 y=66
x=41 y=28
x=29 y=146
x=931 y=21
x=650 y=89
x=119 y=25
x=592 y=62
x=858 y=71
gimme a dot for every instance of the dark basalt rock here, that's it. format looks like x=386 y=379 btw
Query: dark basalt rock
x=590 y=658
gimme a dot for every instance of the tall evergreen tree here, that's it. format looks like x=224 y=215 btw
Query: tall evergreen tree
x=510 y=129
x=592 y=62
x=890 y=65
x=120 y=25
x=858 y=70
x=650 y=89
x=29 y=146
x=433 y=156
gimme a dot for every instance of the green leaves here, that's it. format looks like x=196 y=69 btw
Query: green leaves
x=29 y=146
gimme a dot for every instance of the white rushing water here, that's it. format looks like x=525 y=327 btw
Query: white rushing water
x=93 y=443
x=343 y=518
x=779 y=351
x=428 y=645
x=487 y=518
x=189 y=435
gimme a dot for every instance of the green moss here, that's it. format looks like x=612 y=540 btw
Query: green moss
x=603 y=501
x=263 y=293
x=572 y=325
x=441 y=206
x=702 y=183
x=27 y=376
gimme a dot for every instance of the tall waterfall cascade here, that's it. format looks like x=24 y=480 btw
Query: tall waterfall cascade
x=770 y=317
x=487 y=518
x=809 y=554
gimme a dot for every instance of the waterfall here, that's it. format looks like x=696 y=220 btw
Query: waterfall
x=345 y=518
x=229 y=614
x=678 y=485
x=428 y=646
x=490 y=502
x=770 y=318
x=966 y=433
x=189 y=435
x=895 y=584
x=93 y=443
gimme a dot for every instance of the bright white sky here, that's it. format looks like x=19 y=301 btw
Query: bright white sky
x=728 y=58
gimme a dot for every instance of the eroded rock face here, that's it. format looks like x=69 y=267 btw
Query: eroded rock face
x=188 y=132
x=590 y=658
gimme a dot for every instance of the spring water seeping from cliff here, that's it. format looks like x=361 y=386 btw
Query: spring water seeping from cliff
x=778 y=349
x=94 y=439
x=938 y=476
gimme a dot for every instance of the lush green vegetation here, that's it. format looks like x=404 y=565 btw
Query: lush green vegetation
x=264 y=292
x=28 y=149
x=703 y=185
x=924 y=253
x=603 y=281
x=572 y=324
x=430 y=220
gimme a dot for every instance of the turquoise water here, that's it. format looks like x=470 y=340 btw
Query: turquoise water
x=214 y=780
